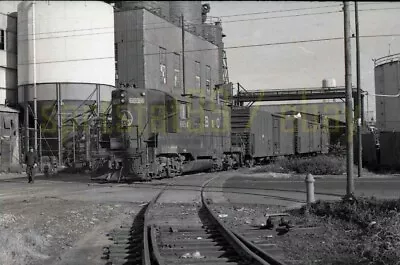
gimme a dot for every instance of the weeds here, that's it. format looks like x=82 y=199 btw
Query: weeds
x=317 y=165
x=377 y=237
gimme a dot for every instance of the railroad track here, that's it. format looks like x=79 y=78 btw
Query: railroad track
x=187 y=234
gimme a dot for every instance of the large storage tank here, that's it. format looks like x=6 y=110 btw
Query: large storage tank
x=387 y=71
x=8 y=52
x=70 y=48
x=161 y=8
x=191 y=11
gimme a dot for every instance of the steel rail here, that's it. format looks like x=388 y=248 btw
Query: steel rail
x=244 y=247
x=149 y=232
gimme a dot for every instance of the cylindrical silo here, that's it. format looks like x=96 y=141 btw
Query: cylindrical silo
x=8 y=53
x=387 y=82
x=69 y=56
x=191 y=10
x=161 y=8
x=329 y=83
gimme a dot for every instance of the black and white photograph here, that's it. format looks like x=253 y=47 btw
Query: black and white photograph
x=199 y=132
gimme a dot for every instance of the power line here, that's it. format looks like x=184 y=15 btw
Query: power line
x=227 y=48
x=243 y=14
x=175 y=26
x=293 y=9
x=170 y=26
x=279 y=11
x=287 y=16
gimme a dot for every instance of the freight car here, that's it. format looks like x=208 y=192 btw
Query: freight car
x=156 y=134
x=263 y=135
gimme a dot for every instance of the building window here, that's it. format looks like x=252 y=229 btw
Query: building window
x=163 y=65
x=197 y=75
x=2 y=39
x=116 y=60
x=208 y=79
x=177 y=76
x=183 y=113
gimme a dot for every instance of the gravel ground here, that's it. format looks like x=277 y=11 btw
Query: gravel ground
x=38 y=231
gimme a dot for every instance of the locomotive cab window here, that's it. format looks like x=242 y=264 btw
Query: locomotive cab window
x=7 y=123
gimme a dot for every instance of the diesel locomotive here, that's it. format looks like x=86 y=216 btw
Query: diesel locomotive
x=157 y=134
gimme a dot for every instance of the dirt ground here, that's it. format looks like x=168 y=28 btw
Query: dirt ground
x=61 y=222
x=38 y=231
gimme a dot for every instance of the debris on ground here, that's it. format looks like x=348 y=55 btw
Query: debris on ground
x=358 y=231
x=194 y=255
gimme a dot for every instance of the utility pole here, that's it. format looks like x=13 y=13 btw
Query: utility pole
x=359 y=103
x=183 y=55
x=349 y=102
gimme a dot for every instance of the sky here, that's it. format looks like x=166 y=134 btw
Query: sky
x=304 y=64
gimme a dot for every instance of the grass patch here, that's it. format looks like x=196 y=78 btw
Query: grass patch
x=316 y=165
x=363 y=231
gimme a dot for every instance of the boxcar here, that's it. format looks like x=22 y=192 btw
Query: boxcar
x=252 y=130
x=283 y=135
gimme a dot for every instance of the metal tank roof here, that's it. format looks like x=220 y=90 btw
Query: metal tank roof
x=387 y=59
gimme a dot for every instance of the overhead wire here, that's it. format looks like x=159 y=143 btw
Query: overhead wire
x=280 y=11
x=293 y=9
x=176 y=26
x=227 y=48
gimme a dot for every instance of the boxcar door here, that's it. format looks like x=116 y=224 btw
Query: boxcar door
x=276 y=135
x=311 y=138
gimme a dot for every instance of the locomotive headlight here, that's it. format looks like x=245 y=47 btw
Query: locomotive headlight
x=122 y=95
x=122 y=100
x=143 y=94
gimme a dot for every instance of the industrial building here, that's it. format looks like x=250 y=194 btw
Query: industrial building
x=60 y=60
x=149 y=47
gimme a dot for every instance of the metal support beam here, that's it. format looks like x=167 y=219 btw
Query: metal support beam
x=59 y=124
x=183 y=55
x=349 y=102
x=35 y=123
x=98 y=116
x=359 y=105
x=73 y=141
x=290 y=94
x=26 y=123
